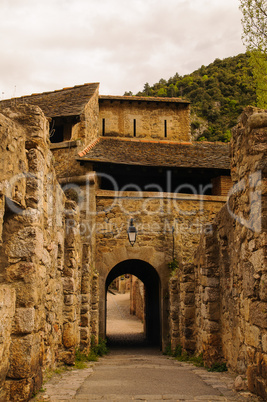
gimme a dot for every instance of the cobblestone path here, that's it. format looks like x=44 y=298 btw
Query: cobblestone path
x=133 y=371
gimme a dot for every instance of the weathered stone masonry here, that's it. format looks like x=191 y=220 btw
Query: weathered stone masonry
x=219 y=302
x=62 y=244
x=40 y=263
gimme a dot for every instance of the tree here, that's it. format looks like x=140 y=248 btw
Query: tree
x=254 y=23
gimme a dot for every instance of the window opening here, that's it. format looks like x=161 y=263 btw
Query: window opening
x=57 y=134
x=165 y=128
x=103 y=126
x=134 y=127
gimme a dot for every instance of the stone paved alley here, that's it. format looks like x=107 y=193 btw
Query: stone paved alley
x=132 y=371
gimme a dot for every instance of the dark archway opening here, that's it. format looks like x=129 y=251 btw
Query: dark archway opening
x=149 y=276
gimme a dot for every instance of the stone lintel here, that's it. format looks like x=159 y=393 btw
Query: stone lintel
x=147 y=194
x=65 y=144
x=87 y=178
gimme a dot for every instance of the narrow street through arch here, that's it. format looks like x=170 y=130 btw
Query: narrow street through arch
x=150 y=278
x=123 y=328
x=134 y=371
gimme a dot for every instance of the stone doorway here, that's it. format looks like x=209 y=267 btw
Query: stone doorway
x=149 y=276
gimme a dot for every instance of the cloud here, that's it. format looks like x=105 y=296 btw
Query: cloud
x=56 y=43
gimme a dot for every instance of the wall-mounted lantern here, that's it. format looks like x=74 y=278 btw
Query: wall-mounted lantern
x=132 y=233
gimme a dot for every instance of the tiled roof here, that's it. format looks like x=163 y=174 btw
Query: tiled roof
x=157 y=153
x=143 y=99
x=63 y=102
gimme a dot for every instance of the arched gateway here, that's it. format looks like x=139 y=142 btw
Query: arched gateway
x=150 y=267
x=149 y=276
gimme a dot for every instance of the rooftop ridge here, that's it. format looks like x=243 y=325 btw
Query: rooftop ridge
x=163 y=141
x=87 y=149
x=144 y=98
x=145 y=140
x=51 y=92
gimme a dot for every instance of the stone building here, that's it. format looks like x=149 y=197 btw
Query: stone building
x=66 y=208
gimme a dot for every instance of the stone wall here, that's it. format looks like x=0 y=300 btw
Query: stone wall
x=224 y=290
x=221 y=185
x=137 y=298
x=83 y=133
x=86 y=129
x=151 y=119
x=155 y=215
x=7 y=312
x=40 y=258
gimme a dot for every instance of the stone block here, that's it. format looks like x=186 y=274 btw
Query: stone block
x=264 y=343
x=85 y=320
x=67 y=356
x=211 y=311
x=69 y=313
x=68 y=300
x=211 y=326
x=84 y=308
x=28 y=295
x=189 y=344
x=211 y=294
x=69 y=335
x=263 y=288
x=23 y=271
x=189 y=299
x=258 y=314
x=24 y=356
x=28 y=242
x=248 y=279
x=258 y=260
x=24 y=321
x=18 y=390
x=209 y=282
x=240 y=384
x=84 y=334
x=36 y=161
x=252 y=336
x=187 y=287
x=85 y=299
x=189 y=312
x=263 y=366
x=68 y=285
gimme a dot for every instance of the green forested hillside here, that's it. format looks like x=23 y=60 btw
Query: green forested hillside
x=218 y=94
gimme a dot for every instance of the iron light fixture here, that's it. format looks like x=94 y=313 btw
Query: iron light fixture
x=132 y=233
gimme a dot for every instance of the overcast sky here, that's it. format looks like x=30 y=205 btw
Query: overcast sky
x=51 y=44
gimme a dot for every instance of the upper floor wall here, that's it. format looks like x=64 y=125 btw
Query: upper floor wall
x=155 y=118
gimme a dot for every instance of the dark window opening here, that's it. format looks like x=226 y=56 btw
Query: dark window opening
x=57 y=134
x=61 y=129
x=134 y=127
x=103 y=127
x=165 y=128
x=156 y=179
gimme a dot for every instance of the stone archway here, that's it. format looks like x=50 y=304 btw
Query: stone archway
x=152 y=268
x=149 y=276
